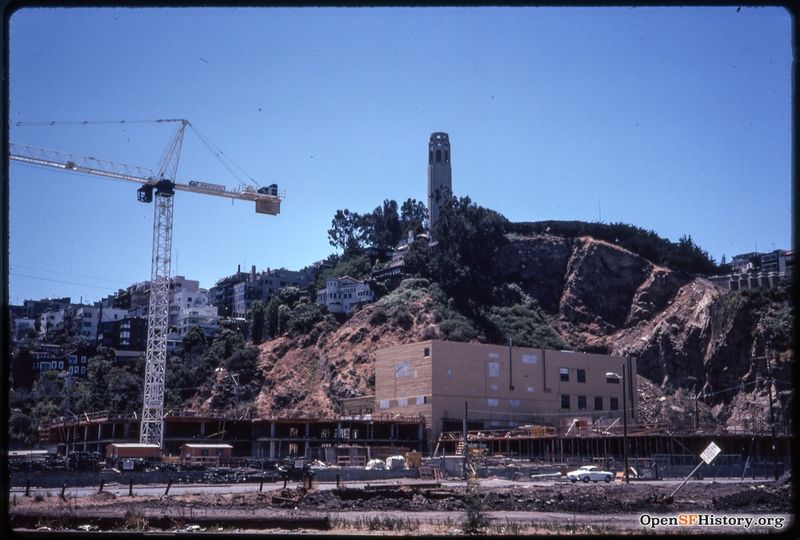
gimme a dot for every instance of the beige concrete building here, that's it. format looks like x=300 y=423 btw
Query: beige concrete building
x=436 y=378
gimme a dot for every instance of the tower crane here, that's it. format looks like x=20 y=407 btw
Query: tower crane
x=161 y=187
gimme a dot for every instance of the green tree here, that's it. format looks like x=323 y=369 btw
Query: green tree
x=303 y=317
x=347 y=231
x=258 y=314
x=382 y=227
x=413 y=215
x=467 y=237
x=279 y=309
x=21 y=428
x=244 y=363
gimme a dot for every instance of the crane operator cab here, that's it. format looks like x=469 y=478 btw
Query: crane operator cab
x=271 y=189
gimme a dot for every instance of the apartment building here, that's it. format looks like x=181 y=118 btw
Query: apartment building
x=263 y=286
x=501 y=386
x=204 y=317
x=341 y=295
x=184 y=295
x=128 y=334
x=90 y=317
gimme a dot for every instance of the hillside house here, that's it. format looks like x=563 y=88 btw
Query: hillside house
x=342 y=294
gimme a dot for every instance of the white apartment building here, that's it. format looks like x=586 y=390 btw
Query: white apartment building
x=184 y=298
x=340 y=295
x=204 y=317
x=51 y=320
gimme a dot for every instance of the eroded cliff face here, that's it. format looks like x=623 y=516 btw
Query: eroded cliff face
x=684 y=332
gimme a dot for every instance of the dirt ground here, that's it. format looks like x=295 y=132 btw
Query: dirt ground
x=411 y=510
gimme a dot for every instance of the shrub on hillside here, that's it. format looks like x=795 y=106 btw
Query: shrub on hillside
x=403 y=319
x=457 y=329
x=525 y=325
x=378 y=317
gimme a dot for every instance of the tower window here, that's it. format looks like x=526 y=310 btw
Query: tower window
x=438 y=156
x=447 y=156
x=430 y=156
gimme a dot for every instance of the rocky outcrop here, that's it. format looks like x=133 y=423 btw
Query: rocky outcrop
x=683 y=331
x=538 y=264
x=601 y=283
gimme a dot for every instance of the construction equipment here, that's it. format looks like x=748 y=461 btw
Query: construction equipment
x=164 y=185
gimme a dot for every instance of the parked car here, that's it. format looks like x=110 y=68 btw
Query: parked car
x=589 y=473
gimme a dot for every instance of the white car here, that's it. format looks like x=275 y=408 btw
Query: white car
x=589 y=473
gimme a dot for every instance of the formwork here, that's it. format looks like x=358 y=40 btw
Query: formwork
x=261 y=438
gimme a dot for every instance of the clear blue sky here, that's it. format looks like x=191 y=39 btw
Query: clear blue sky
x=672 y=119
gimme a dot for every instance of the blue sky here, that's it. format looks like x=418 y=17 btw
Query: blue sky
x=672 y=119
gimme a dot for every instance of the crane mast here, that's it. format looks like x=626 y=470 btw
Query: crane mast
x=152 y=425
x=163 y=185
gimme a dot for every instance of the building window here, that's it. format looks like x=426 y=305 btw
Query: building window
x=529 y=359
x=427 y=352
x=564 y=373
x=492 y=402
x=494 y=369
x=384 y=404
x=598 y=403
x=581 y=375
x=446 y=156
x=514 y=403
x=449 y=372
x=564 y=401
x=430 y=156
x=61 y=365
x=581 y=403
x=530 y=389
x=422 y=400
x=402 y=402
x=612 y=380
x=438 y=156
x=401 y=370
x=613 y=404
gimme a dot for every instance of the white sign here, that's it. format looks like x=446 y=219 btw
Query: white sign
x=710 y=453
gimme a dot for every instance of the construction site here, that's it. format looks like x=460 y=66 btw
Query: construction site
x=447 y=420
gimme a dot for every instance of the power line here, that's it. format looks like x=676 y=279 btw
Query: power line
x=66 y=273
x=61 y=281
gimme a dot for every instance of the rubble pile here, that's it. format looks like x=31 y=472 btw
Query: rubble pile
x=760 y=498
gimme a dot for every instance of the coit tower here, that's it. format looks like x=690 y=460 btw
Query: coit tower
x=440 y=182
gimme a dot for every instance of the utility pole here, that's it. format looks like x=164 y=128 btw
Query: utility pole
x=464 y=427
x=510 y=364
x=625 y=423
x=696 y=412
x=771 y=414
